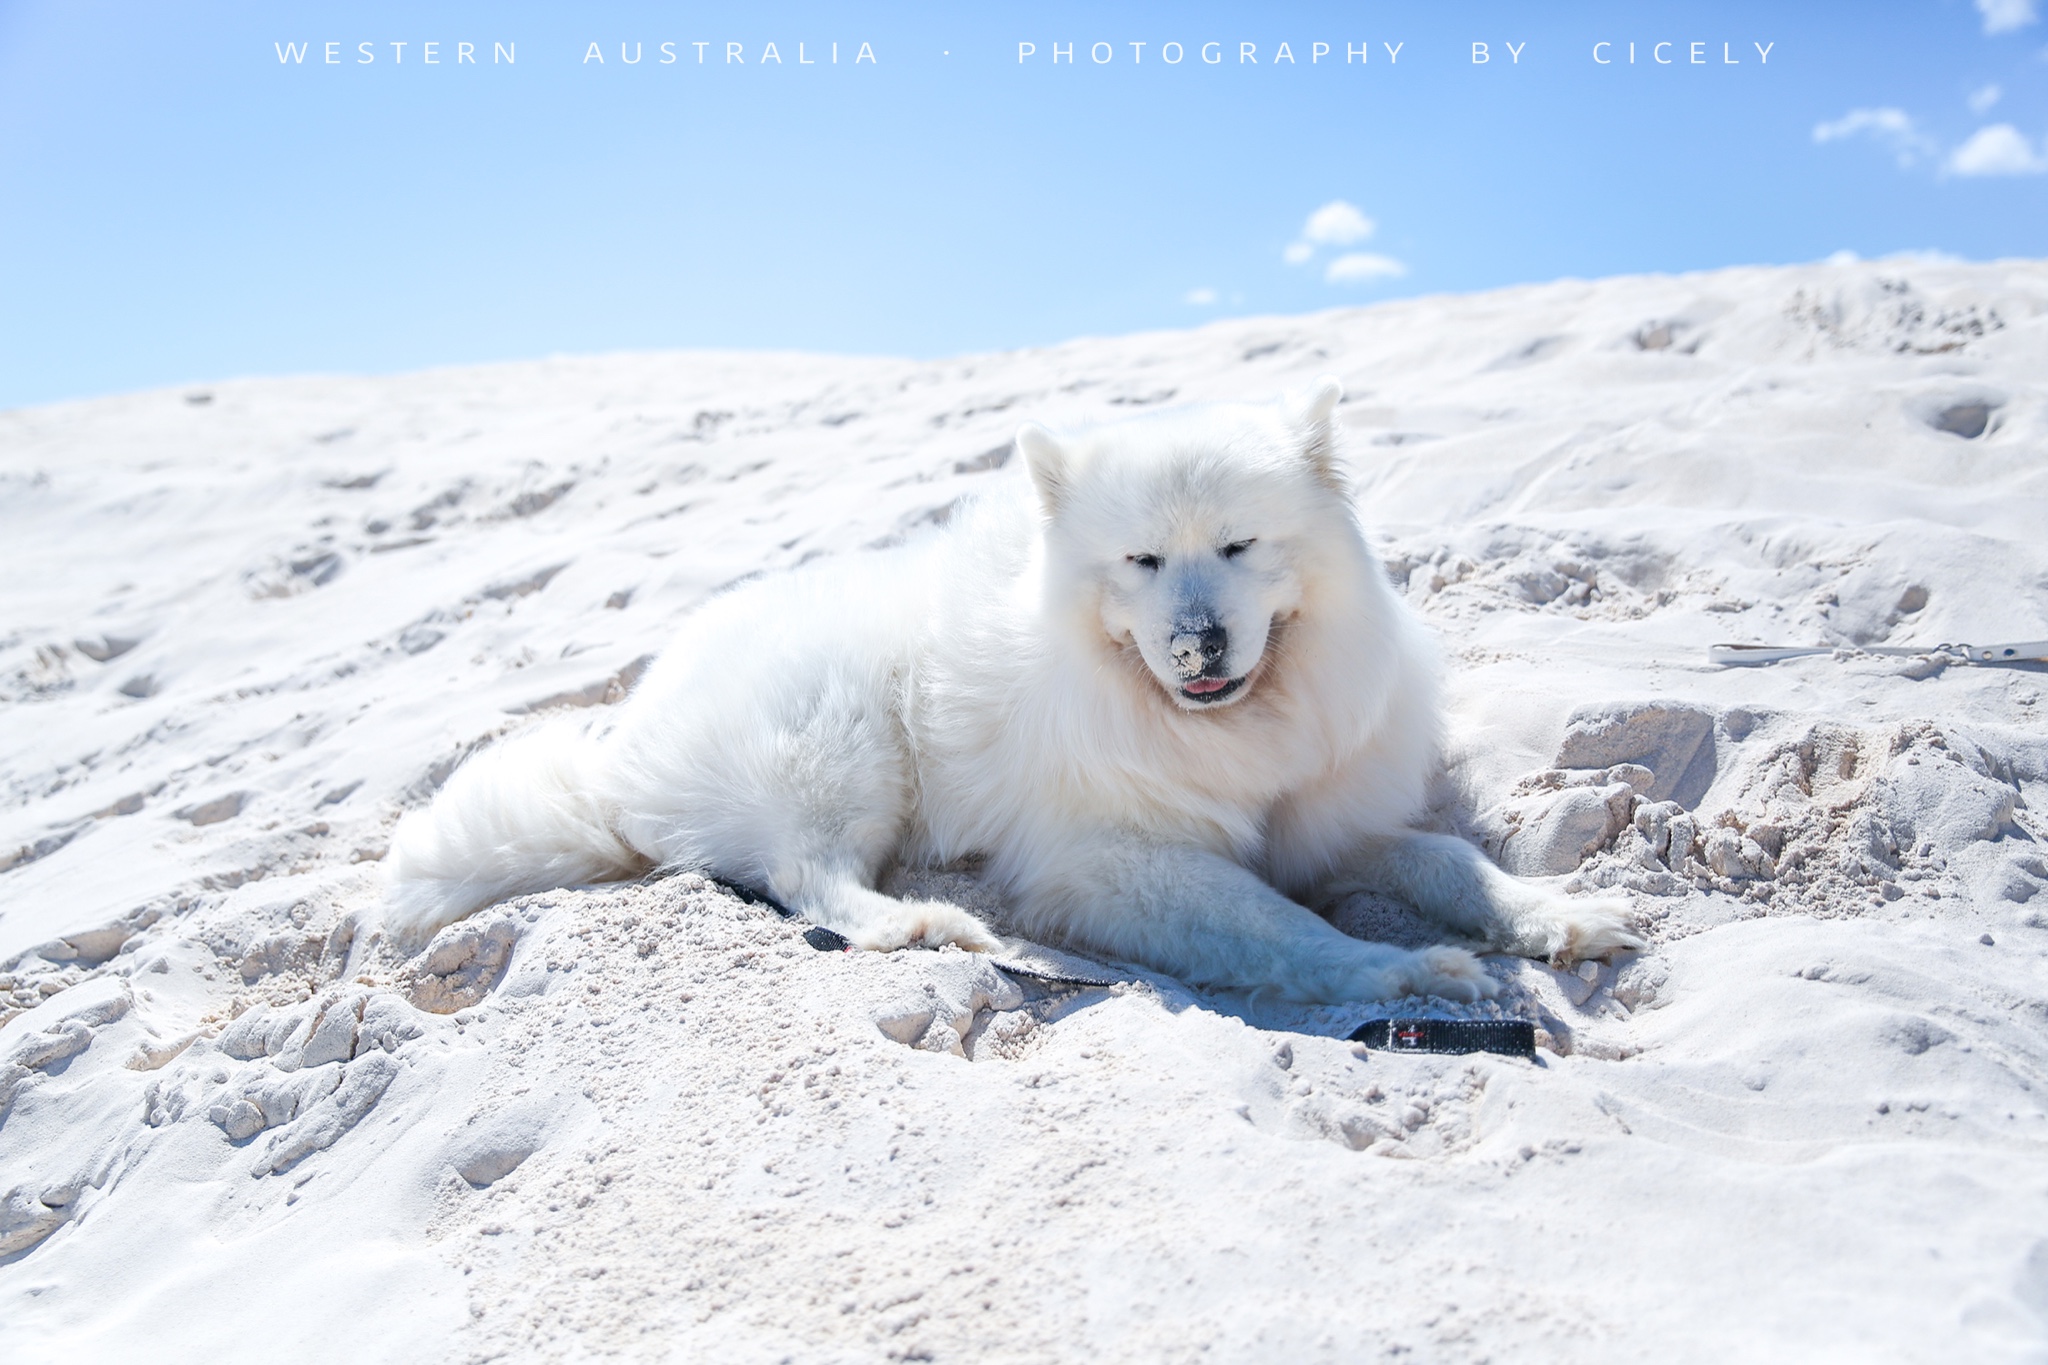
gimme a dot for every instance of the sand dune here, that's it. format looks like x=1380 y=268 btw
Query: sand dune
x=246 y=625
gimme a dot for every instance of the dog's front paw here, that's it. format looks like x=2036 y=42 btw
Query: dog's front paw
x=1568 y=931
x=1449 y=973
x=927 y=924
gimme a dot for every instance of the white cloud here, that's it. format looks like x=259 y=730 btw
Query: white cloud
x=2000 y=149
x=1357 y=267
x=1893 y=127
x=2003 y=16
x=1200 y=298
x=1337 y=224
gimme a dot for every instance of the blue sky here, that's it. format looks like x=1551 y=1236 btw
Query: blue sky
x=177 y=204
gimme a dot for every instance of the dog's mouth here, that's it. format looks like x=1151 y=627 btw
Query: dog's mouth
x=1208 y=691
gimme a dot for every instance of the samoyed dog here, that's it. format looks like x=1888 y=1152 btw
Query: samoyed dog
x=1162 y=691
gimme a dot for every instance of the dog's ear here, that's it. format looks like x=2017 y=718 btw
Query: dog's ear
x=1312 y=413
x=1051 y=468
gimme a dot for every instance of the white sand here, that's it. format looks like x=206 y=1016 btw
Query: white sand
x=652 y=1122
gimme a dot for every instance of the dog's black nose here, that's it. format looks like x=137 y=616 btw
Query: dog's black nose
x=1198 y=646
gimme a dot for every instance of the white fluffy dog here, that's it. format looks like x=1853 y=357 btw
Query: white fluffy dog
x=1164 y=693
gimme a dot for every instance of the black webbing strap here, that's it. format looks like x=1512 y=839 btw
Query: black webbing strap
x=1510 y=1037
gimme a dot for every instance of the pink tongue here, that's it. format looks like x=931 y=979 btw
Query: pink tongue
x=1205 y=685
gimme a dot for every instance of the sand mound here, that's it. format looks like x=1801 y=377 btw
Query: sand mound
x=656 y=1121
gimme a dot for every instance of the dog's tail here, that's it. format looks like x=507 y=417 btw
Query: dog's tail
x=524 y=815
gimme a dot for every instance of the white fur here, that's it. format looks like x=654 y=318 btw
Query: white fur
x=1165 y=693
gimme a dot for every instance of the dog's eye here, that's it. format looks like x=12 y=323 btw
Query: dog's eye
x=1144 y=561
x=1235 y=548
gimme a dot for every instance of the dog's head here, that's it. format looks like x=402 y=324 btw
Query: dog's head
x=1192 y=535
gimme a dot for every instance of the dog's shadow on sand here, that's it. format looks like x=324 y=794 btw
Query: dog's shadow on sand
x=1381 y=919
x=1376 y=919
